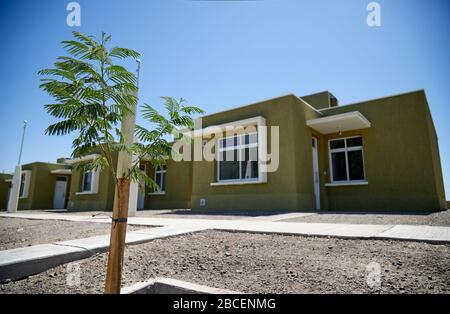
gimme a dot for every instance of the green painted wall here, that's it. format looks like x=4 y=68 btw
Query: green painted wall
x=321 y=100
x=283 y=190
x=178 y=187
x=42 y=186
x=401 y=158
x=101 y=201
x=318 y=100
x=401 y=161
x=4 y=189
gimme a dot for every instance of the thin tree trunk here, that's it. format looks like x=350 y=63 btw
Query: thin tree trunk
x=117 y=240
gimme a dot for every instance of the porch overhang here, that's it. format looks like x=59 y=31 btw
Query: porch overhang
x=343 y=122
x=61 y=171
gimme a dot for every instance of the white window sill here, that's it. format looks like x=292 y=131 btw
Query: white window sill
x=23 y=197
x=235 y=183
x=336 y=184
x=85 y=193
x=157 y=193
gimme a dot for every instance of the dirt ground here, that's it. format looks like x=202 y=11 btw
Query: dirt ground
x=18 y=232
x=431 y=219
x=258 y=263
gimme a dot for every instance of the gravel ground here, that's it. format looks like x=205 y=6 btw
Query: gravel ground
x=258 y=263
x=431 y=219
x=18 y=232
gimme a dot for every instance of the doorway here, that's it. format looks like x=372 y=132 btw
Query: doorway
x=316 y=172
x=59 y=198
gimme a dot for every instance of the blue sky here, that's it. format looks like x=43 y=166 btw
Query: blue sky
x=223 y=54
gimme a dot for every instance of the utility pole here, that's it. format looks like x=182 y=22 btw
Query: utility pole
x=17 y=178
x=120 y=207
x=25 y=122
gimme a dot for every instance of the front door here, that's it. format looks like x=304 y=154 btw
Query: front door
x=59 y=198
x=316 y=172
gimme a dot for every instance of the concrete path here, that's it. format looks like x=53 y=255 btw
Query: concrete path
x=264 y=225
x=163 y=285
x=22 y=262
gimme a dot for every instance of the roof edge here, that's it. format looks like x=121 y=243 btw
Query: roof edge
x=374 y=99
x=260 y=101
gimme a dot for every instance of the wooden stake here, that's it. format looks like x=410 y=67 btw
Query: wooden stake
x=120 y=208
x=117 y=239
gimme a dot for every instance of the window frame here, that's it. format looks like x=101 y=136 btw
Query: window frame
x=346 y=149
x=163 y=173
x=26 y=175
x=240 y=146
x=23 y=181
x=83 y=181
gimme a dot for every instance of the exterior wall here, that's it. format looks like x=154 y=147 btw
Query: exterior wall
x=400 y=151
x=282 y=191
x=434 y=146
x=42 y=186
x=100 y=201
x=301 y=152
x=319 y=100
x=401 y=158
x=401 y=161
x=4 y=189
x=178 y=187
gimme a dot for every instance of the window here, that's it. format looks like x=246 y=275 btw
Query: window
x=238 y=158
x=160 y=178
x=346 y=159
x=86 y=185
x=22 y=185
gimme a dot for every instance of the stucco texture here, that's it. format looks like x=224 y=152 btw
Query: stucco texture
x=42 y=186
x=400 y=150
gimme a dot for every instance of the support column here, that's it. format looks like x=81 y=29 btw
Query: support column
x=15 y=189
x=133 y=198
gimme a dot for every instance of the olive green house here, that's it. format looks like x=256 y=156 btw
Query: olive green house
x=376 y=155
x=43 y=185
x=288 y=153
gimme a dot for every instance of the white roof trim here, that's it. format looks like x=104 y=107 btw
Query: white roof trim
x=258 y=120
x=340 y=122
x=308 y=105
x=61 y=171
x=81 y=159
x=260 y=101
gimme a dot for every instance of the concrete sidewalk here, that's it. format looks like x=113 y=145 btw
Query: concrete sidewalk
x=22 y=262
x=400 y=232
